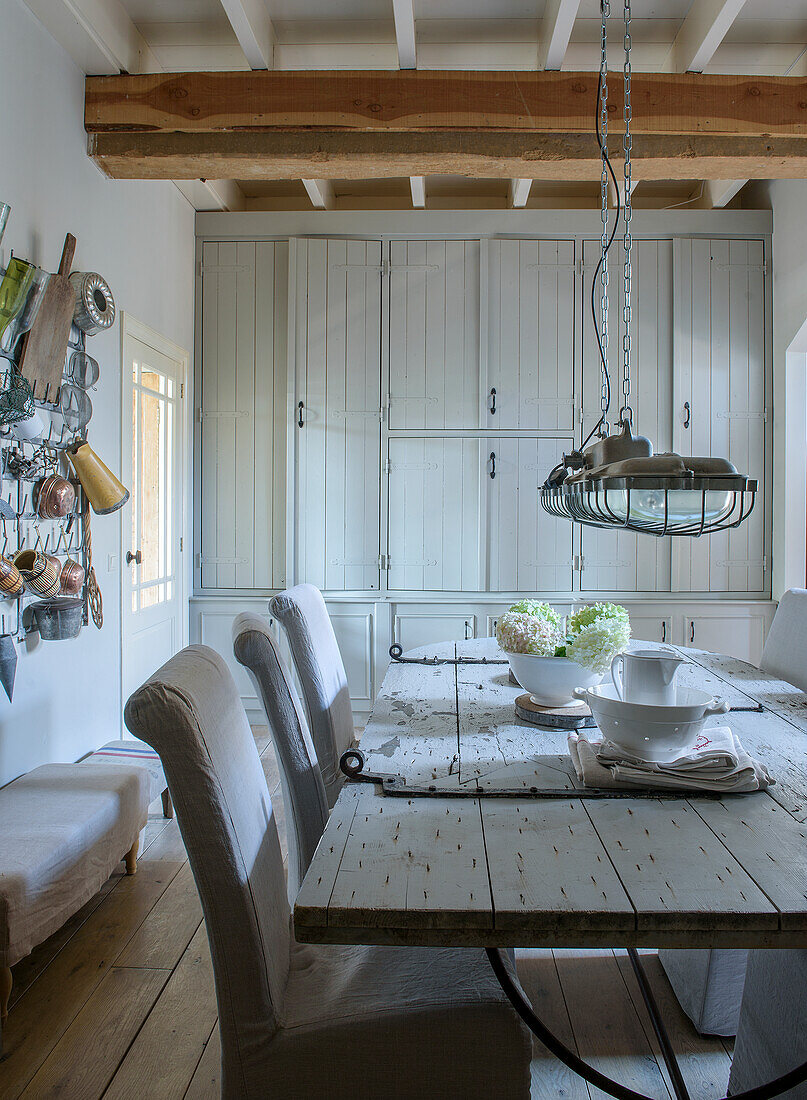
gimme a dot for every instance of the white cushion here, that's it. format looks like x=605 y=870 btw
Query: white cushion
x=64 y=830
x=132 y=753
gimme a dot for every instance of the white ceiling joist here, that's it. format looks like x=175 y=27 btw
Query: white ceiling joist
x=701 y=33
x=417 y=185
x=320 y=192
x=519 y=192
x=719 y=193
x=556 y=30
x=98 y=34
x=404 y=13
x=253 y=28
x=213 y=194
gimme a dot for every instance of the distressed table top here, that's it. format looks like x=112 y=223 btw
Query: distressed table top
x=459 y=867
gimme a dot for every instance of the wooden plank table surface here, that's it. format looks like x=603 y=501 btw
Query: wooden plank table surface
x=473 y=870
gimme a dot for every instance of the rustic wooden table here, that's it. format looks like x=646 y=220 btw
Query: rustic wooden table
x=469 y=869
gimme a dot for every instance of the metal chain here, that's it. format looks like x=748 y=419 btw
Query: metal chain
x=627 y=144
x=605 y=11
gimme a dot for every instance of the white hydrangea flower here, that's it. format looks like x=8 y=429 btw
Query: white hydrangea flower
x=540 y=610
x=594 y=646
x=596 y=612
x=517 y=632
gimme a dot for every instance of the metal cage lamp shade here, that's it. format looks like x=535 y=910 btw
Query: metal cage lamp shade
x=619 y=482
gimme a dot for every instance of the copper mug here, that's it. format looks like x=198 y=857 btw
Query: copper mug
x=10 y=578
x=55 y=497
x=38 y=571
x=71 y=578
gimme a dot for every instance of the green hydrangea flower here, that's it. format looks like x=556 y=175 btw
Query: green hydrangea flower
x=599 y=612
x=540 y=610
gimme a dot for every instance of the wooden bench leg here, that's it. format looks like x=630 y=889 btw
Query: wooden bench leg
x=5 y=990
x=131 y=856
x=168 y=806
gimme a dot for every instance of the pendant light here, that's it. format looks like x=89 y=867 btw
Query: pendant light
x=618 y=481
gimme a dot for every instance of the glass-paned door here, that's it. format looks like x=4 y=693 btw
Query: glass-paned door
x=152 y=589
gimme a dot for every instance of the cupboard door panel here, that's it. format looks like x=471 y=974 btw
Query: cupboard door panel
x=242 y=414
x=415 y=628
x=621 y=560
x=528 y=550
x=720 y=374
x=338 y=334
x=530 y=290
x=434 y=514
x=434 y=334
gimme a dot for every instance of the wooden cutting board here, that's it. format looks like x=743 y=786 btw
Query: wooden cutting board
x=44 y=347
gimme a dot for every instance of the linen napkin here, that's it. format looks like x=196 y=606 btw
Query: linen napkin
x=717 y=762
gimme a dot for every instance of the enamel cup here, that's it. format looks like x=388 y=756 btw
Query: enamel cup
x=646 y=676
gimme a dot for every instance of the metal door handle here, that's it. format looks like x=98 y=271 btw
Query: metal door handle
x=492 y=461
x=300 y=408
x=687 y=414
x=137 y=557
x=663 y=630
x=492 y=402
x=692 y=630
x=467 y=630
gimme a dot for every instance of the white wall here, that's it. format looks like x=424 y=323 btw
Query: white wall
x=788 y=200
x=139 y=236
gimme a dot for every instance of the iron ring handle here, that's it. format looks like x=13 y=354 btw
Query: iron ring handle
x=687 y=414
x=395 y=651
x=352 y=763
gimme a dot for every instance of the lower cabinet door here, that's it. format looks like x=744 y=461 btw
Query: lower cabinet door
x=419 y=627
x=652 y=628
x=212 y=625
x=740 y=636
x=353 y=627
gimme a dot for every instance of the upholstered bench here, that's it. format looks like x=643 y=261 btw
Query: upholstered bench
x=138 y=754
x=65 y=828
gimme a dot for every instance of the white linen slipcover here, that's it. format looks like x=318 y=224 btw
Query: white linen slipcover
x=301 y=779
x=708 y=984
x=64 y=830
x=785 y=652
x=300 y=1021
x=772 y=1035
x=323 y=680
x=132 y=754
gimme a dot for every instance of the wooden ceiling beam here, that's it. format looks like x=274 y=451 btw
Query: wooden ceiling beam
x=475 y=102
x=320 y=192
x=417 y=187
x=719 y=193
x=404 y=14
x=556 y=30
x=346 y=155
x=519 y=192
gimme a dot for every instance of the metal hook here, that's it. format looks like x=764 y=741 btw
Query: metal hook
x=38 y=537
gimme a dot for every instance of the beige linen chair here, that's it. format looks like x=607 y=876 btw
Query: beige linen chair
x=709 y=984
x=785 y=652
x=321 y=672
x=300 y=775
x=300 y=1021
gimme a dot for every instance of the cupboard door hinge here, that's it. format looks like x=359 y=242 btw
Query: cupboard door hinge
x=578 y=265
x=387 y=466
x=383 y=562
x=181 y=390
x=181 y=543
x=577 y=563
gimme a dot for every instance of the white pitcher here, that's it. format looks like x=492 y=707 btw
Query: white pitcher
x=646 y=676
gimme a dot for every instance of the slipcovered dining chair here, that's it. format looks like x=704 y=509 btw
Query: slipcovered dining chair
x=300 y=775
x=785 y=651
x=709 y=983
x=299 y=1021
x=315 y=652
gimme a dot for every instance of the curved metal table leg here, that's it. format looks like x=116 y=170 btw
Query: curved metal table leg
x=773 y=1088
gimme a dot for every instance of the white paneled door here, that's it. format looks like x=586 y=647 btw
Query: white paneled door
x=620 y=561
x=530 y=335
x=434 y=334
x=337 y=412
x=720 y=398
x=528 y=550
x=154 y=609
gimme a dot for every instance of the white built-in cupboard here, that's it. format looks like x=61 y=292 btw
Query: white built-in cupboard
x=375 y=416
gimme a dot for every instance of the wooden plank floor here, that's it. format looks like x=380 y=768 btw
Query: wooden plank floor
x=97 y=1007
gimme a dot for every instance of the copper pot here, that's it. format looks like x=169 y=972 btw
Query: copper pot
x=38 y=572
x=71 y=578
x=10 y=578
x=55 y=497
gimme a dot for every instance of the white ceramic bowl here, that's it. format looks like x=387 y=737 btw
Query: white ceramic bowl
x=551 y=680
x=655 y=733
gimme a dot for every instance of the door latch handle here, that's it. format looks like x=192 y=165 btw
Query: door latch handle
x=492 y=402
x=687 y=414
x=300 y=408
x=663 y=630
x=137 y=557
x=691 y=630
x=492 y=461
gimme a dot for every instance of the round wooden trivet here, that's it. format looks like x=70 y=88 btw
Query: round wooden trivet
x=565 y=718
